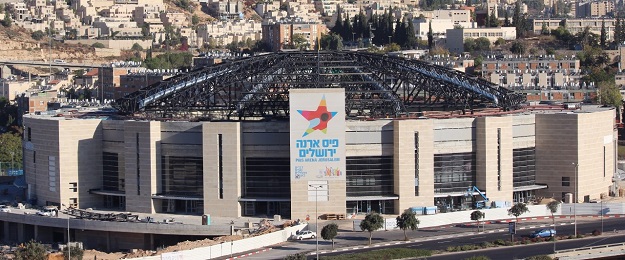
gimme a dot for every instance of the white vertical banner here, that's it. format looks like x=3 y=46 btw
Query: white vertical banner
x=317 y=125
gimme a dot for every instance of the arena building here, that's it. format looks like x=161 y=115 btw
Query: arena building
x=231 y=140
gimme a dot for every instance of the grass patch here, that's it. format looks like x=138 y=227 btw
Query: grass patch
x=390 y=253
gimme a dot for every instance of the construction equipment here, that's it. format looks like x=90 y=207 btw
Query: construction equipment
x=479 y=204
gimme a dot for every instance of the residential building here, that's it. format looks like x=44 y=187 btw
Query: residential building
x=456 y=37
x=10 y=89
x=280 y=33
x=593 y=9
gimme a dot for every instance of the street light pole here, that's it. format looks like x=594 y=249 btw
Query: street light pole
x=601 y=216
x=575 y=199
x=69 y=247
x=316 y=187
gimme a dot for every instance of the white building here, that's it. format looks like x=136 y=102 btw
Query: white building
x=456 y=37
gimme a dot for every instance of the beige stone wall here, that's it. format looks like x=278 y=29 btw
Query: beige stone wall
x=565 y=139
x=66 y=151
x=43 y=143
x=302 y=206
x=141 y=141
x=80 y=161
x=227 y=205
x=493 y=170
x=404 y=163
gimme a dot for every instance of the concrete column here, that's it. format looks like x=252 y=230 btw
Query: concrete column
x=20 y=232
x=405 y=133
x=36 y=231
x=222 y=192
x=5 y=234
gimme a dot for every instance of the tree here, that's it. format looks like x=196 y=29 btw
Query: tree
x=97 y=45
x=604 y=34
x=31 y=251
x=331 y=42
x=477 y=216
x=500 y=41
x=37 y=35
x=492 y=19
x=411 y=37
x=11 y=150
x=195 y=20
x=506 y=20
x=617 y=28
x=329 y=232
x=372 y=222
x=6 y=22
x=553 y=208
x=76 y=253
x=407 y=220
x=518 y=210
x=338 y=24
x=544 y=30
x=299 y=41
x=610 y=94
x=136 y=47
x=518 y=48
x=430 y=37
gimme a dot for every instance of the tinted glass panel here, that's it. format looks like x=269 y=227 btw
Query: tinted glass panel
x=182 y=176
x=369 y=176
x=267 y=178
x=524 y=167
x=454 y=172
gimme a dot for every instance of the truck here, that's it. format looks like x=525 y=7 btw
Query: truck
x=479 y=204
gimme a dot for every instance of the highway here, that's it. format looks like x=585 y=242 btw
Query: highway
x=458 y=239
x=53 y=64
x=523 y=251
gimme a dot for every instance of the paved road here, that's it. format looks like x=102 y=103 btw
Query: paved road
x=429 y=238
x=523 y=251
x=442 y=242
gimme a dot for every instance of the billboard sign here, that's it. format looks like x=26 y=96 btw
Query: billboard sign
x=317 y=133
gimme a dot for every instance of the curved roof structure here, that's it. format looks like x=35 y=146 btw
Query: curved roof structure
x=376 y=85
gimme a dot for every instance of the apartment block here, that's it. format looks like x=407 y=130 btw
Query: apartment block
x=278 y=34
x=456 y=37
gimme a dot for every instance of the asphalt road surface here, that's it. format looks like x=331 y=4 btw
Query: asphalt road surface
x=441 y=242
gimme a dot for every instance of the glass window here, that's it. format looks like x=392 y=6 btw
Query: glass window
x=523 y=167
x=267 y=178
x=454 y=172
x=370 y=176
x=182 y=176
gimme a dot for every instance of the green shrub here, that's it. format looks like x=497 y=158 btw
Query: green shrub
x=539 y=257
x=136 y=47
x=479 y=257
x=98 y=45
x=37 y=35
x=580 y=236
x=500 y=242
x=453 y=249
x=389 y=253
x=596 y=232
x=487 y=244
x=299 y=256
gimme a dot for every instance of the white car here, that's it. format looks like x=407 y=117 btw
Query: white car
x=5 y=208
x=304 y=235
x=49 y=211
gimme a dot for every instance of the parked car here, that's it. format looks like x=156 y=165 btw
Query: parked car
x=5 y=208
x=545 y=232
x=305 y=234
x=48 y=211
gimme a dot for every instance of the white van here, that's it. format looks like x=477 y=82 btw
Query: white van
x=59 y=61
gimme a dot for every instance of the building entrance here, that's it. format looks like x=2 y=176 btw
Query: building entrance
x=369 y=206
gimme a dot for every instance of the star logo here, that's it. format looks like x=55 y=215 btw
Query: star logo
x=319 y=118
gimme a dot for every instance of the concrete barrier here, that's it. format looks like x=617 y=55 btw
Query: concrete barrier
x=230 y=248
